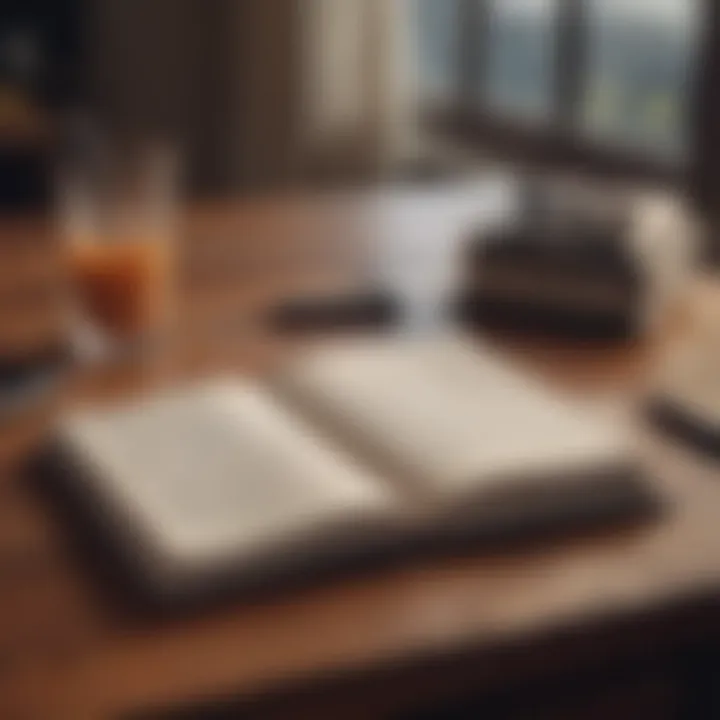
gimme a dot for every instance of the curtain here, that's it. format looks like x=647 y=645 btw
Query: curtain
x=258 y=93
x=360 y=82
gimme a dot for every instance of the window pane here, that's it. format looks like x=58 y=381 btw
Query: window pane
x=438 y=23
x=640 y=64
x=520 y=57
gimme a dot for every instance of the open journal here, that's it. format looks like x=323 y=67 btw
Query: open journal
x=356 y=449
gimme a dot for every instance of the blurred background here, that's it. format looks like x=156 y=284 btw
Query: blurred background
x=111 y=109
x=260 y=94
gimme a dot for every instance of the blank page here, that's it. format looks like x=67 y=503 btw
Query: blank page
x=448 y=419
x=221 y=473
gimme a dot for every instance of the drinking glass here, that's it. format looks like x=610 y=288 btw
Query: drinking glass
x=118 y=221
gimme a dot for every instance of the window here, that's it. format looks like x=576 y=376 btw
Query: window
x=640 y=58
x=581 y=79
x=438 y=42
x=519 y=60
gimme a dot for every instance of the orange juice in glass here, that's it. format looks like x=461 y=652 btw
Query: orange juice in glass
x=120 y=249
x=122 y=286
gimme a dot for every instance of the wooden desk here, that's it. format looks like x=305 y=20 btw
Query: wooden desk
x=612 y=611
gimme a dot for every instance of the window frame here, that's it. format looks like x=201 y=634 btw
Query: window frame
x=557 y=143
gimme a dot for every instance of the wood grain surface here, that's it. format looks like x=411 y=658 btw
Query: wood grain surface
x=360 y=646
